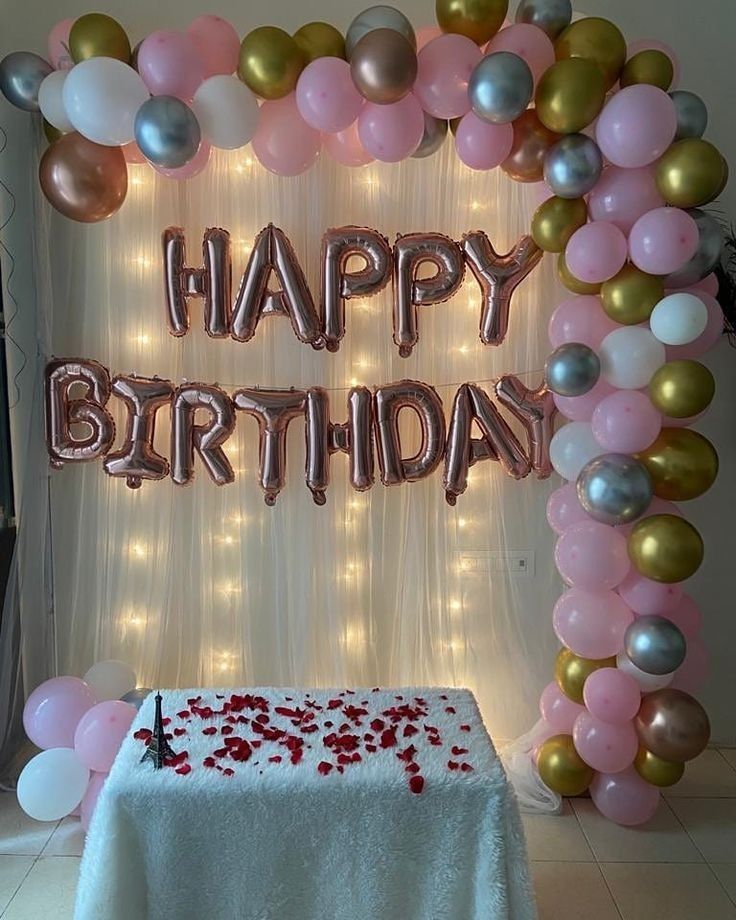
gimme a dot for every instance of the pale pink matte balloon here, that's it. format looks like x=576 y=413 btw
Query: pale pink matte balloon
x=663 y=240
x=564 y=509
x=647 y=44
x=169 y=63
x=558 y=710
x=636 y=126
x=527 y=42
x=543 y=732
x=624 y=797
x=191 y=169
x=691 y=674
x=445 y=66
x=612 y=696
x=284 y=143
x=89 y=802
x=481 y=145
x=591 y=623
x=217 y=43
x=326 y=96
x=53 y=710
x=626 y=422
x=669 y=422
x=392 y=132
x=621 y=196
x=427 y=34
x=709 y=285
x=132 y=153
x=100 y=733
x=541 y=192
x=707 y=339
x=686 y=616
x=581 y=408
x=605 y=747
x=580 y=319
x=592 y=556
x=649 y=598
x=345 y=147
x=596 y=252
x=58 y=45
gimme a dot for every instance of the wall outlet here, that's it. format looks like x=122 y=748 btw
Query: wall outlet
x=497 y=562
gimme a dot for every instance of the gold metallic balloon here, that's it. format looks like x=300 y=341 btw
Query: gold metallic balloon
x=571 y=672
x=532 y=140
x=631 y=295
x=319 y=39
x=51 y=133
x=570 y=95
x=477 y=19
x=383 y=65
x=672 y=724
x=98 y=35
x=555 y=221
x=650 y=66
x=681 y=389
x=657 y=771
x=691 y=173
x=270 y=62
x=682 y=463
x=724 y=180
x=597 y=40
x=561 y=768
x=571 y=282
x=665 y=548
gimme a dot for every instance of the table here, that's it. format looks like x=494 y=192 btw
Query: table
x=317 y=805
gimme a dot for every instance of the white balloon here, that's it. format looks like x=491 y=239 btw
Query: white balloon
x=227 y=112
x=630 y=356
x=110 y=680
x=52 y=784
x=51 y=100
x=572 y=447
x=677 y=319
x=647 y=682
x=101 y=98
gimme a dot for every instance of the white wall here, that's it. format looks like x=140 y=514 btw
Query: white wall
x=702 y=33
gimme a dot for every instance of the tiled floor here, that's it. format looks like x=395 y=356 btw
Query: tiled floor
x=681 y=866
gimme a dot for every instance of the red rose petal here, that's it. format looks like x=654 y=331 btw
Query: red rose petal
x=275 y=759
x=179 y=732
x=228 y=772
x=466 y=768
x=371 y=748
x=183 y=770
x=457 y=751
x=143 y=734
x=410 y=730
x=210 y=730
x=388 y=738
x=226 y=730
x=416 y=784
x=452 y=765
x=184 y=714
x=324 y=767
x=451 y=710
x=208 y=762
x=412 y=768
x=464 y=728
x=378 y=725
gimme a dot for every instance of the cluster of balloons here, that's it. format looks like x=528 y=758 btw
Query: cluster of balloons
x=79 y=724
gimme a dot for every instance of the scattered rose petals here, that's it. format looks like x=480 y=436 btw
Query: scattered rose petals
x=416 y=784
x=183 y=770
x=143 y=734
x=458 y=751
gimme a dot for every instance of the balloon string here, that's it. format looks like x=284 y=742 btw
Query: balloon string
x=8 y=287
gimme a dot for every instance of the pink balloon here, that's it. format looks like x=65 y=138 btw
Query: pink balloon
x=132 y=153
x=345 y=147
x=649 y=598
x=53 y=710
x=527 y=42
x=170 y=64
x=284 y=142
x=481 y=145
x=391 y=132
x=604 y=747
x=621 y=196
x=580 y=319
x=326 y=96
x=191 y=169
x=612 y=696
x=581 y=408
x=596 y=252
x=89 y=802
x=558 y=710
x=58 y=44
x=591 y=624
x=564 y=509
x=710 y=336
x=541 y=192
x=669 y=422
x=100 y=733
x=691 y=674
x=663 y=238
x=427 y=34
x=709 y=285
x=592 y=556
x=217 y=43
x=686 y=616
x=624 y=797
x=636 y=126
x=445 y=66
x=647 y=44
x=543 y=732
x=626 y=422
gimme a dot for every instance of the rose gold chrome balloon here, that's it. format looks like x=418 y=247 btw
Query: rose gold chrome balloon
x=673 y=725
x=383 y=65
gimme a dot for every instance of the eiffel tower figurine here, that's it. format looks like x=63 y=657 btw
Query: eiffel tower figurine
x=158 y=749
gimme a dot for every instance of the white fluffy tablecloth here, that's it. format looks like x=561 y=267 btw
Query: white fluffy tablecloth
x=297 y=827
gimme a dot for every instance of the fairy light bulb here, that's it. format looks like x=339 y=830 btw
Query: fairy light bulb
x=455 y=605
x=138 y=550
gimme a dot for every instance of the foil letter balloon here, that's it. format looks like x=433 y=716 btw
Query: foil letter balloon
x=273 y=409
x=410 y=291
x=317 y=432
x=137 y=460
x=339 y=284
x=498 y=277
x=272 y=252
x=187 y=437
x=214 y=282
x=64 y=445
x=389 y=400
x=536 y=410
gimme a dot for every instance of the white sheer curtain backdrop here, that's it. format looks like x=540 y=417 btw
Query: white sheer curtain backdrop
x=204 y=585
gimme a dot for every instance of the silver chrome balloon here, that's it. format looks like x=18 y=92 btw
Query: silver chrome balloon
x=551 y=16
x=708 y=255
x=21 y=75
x=136 y=697
x=572 y=369
x=655 y=645
x=692 y=115
x=167 y=131
x=435 y=132
x=614 y=488
x=500 y=87
x=572 y=166
x=378 y=17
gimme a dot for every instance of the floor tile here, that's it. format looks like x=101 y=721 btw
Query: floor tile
x=19 y=834
x=67 y=839
x=712 y=825
x=726 y=873
x=709 y=775
x=730 y=755
x=575 y=891
x=662 y=839
x=13 y=869
x=556 y=837
x=648 y=891
x=48 y=890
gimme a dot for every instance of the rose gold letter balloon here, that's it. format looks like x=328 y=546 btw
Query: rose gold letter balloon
x=62 y=412
x=214 y=282
x=536 y=410
x=498 y=277
x=207 y=440
x=136 y=459
x=389 y=400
